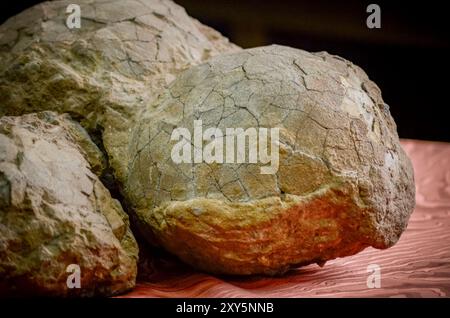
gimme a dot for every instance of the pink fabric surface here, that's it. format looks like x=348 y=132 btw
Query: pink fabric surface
x=417 y=266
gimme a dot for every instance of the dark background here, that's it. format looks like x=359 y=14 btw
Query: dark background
x=409 y=57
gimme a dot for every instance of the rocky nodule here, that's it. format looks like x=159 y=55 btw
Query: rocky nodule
x=343 y=182
x=132 y=74
x=54 y=212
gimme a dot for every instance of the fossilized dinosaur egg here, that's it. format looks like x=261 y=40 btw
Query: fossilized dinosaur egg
x=57 y=220
x=269 y=158
x=104 y=72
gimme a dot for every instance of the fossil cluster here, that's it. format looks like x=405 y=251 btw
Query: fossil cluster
x=236 y=161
